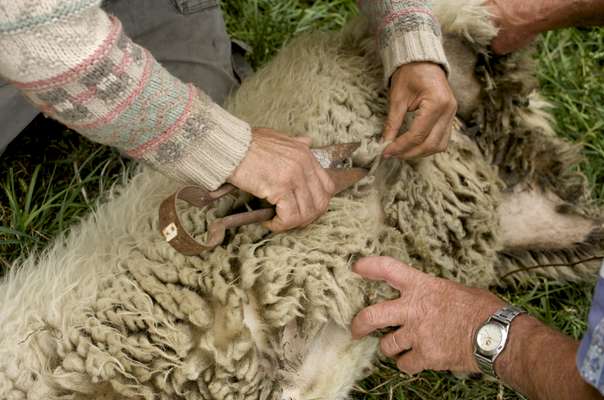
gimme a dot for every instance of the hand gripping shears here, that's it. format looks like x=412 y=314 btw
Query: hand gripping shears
x=332 y=158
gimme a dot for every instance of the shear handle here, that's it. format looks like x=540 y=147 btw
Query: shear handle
x=174 y=232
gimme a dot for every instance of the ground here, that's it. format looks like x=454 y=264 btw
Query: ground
x=51 y=176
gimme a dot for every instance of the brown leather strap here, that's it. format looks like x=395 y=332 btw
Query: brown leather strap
x=170 y=225
x=174 y=232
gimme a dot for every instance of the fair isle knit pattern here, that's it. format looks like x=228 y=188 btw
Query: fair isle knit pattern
x=406 y=31
x=76 y=65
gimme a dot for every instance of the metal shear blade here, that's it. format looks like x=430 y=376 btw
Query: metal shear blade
x=332 y=159
x=335 y=155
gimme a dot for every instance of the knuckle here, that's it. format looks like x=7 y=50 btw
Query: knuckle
x=390 y=125
x=310 y=214
x=368 y=316
x=303 y=156
x=302 y=148
x=418 y=138
x=433 y=146
x=388 y=345
x=391 y=269
x=330 y=187
x=291 y=217
x=323 y=204
x=453 y=104
x=445 y=96
x=388 y=122
x=442 y=147
x=285 y=221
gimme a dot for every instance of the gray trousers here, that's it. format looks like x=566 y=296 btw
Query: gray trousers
x=188 y=37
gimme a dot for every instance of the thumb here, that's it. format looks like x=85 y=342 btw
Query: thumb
x=275 y=225
x=394 y=120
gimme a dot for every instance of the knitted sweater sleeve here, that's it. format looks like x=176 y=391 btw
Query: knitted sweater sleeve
x=75 y=64
x=406 y=31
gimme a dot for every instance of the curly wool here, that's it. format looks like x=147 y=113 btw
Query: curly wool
x=112 y=311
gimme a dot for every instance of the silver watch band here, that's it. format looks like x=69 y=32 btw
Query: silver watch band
x=485 y=365
x=507 y=314
x=504 y=317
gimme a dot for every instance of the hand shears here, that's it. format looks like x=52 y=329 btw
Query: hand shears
x=332 y=158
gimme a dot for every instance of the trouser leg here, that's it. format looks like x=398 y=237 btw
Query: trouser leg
x=187 y=36
x=15 y=114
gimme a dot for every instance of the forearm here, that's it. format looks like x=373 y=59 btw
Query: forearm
x=76 y=65
x=544 y=15
x=556 y=14
x=540 y=363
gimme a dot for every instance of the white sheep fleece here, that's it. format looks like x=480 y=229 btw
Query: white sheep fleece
x=299 y=339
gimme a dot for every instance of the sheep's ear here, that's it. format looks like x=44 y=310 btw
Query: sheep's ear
x=533 y=219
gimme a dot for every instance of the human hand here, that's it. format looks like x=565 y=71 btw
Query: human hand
x=421 y=87
x=282 y=170
x=437 y=317
x=517 y=23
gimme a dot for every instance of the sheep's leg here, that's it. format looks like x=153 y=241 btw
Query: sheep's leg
x=532 y=219
x=325 y=365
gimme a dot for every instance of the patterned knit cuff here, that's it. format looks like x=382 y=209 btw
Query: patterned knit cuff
x=116 y=93
x=207 y=150
x=413 y=46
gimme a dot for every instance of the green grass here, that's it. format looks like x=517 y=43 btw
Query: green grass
x=50 y=176
x=266 y=25
x=571 y=73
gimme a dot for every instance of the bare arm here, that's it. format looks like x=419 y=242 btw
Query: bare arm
x=520 y=20
x=564 y=13
x=540 y=363
x=438 y=319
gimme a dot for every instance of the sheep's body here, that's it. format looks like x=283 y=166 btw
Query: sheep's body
x=112 y=311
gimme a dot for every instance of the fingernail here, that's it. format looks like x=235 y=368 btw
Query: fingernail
x=386 y=156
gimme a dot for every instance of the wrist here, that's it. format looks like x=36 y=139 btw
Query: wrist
x=412 y=47
x=518 y=328
x=488 y=304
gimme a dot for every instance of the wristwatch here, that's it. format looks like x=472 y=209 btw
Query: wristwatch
x=492 y=336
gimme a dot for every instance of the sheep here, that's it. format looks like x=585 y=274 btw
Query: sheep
x=111 y=311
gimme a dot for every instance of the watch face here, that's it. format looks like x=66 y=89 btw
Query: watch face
x=489 y=337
